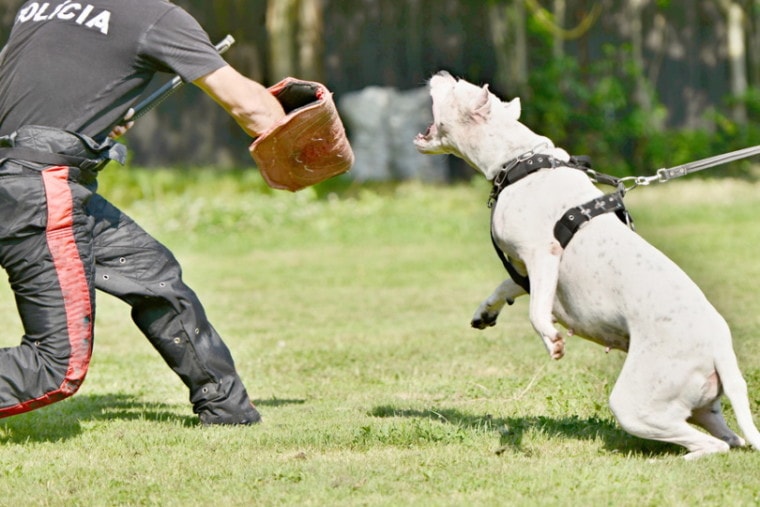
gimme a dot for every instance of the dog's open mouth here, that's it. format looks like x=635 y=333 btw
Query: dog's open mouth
x=423 y=139
x=428 y=132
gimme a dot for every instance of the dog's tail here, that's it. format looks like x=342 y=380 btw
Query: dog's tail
x=735 y=388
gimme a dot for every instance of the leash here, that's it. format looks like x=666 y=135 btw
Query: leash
x=533 y=160
x=572 y=220
x=666 y=174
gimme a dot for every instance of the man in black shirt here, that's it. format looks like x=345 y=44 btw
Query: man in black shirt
x=69 y=73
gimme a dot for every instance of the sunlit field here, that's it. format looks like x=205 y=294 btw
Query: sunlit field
x=348 y=314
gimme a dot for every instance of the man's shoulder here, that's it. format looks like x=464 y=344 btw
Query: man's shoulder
x=146 y=10
x=145 y=7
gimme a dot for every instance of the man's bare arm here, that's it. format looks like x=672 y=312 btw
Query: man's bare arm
x=248 y=102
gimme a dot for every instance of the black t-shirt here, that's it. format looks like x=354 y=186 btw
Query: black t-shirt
x=80 y=66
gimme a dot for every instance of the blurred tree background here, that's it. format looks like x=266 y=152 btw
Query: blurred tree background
x=637 y=84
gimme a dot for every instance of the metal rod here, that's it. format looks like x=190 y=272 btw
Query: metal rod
x=170 y=87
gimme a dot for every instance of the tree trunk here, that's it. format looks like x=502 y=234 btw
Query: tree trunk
x=737 y=55
x=558 y=44
x=521 y=47
x=753 y=40
x=310 y=40
x=511 y=46
x=642 y=97
x=281 y=25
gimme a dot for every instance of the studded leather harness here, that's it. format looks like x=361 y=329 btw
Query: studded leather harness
x=572 y=220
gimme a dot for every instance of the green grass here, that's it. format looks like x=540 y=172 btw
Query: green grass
x=348 y=317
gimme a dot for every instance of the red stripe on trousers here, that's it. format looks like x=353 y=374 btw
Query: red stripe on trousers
x=74 y=287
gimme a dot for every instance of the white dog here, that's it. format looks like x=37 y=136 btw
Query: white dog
x=607 y=284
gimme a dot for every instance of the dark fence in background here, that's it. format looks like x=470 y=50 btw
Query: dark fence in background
x=401 y=43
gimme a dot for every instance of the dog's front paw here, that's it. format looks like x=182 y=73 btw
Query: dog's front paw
x=557 y=350
x=555 y=344
x=482 y=321
x=486 y=315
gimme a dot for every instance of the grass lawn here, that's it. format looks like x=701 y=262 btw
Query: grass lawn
x=349 y=321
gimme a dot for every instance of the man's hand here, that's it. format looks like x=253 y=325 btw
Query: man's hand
x=121 y=129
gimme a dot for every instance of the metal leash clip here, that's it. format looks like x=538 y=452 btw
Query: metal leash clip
x=636 y=181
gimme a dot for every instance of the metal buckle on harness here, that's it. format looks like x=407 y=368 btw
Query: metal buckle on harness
x=498 y=181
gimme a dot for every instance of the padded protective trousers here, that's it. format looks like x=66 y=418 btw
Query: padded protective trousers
x=58 y=242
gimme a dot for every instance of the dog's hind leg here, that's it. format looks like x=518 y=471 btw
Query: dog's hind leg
x=735 y=389
x=488 y=311
x=543 y=269
x=708 y=414
x=645 y=409
x=711 y=419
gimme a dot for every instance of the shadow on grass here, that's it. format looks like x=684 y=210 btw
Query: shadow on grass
x=278 y=402
x=512 y=430
x=63 y=420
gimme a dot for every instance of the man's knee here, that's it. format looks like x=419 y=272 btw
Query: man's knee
x=34 y=377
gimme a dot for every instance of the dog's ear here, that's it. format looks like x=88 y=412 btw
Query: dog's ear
x=482 y=106
x=514 y=108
